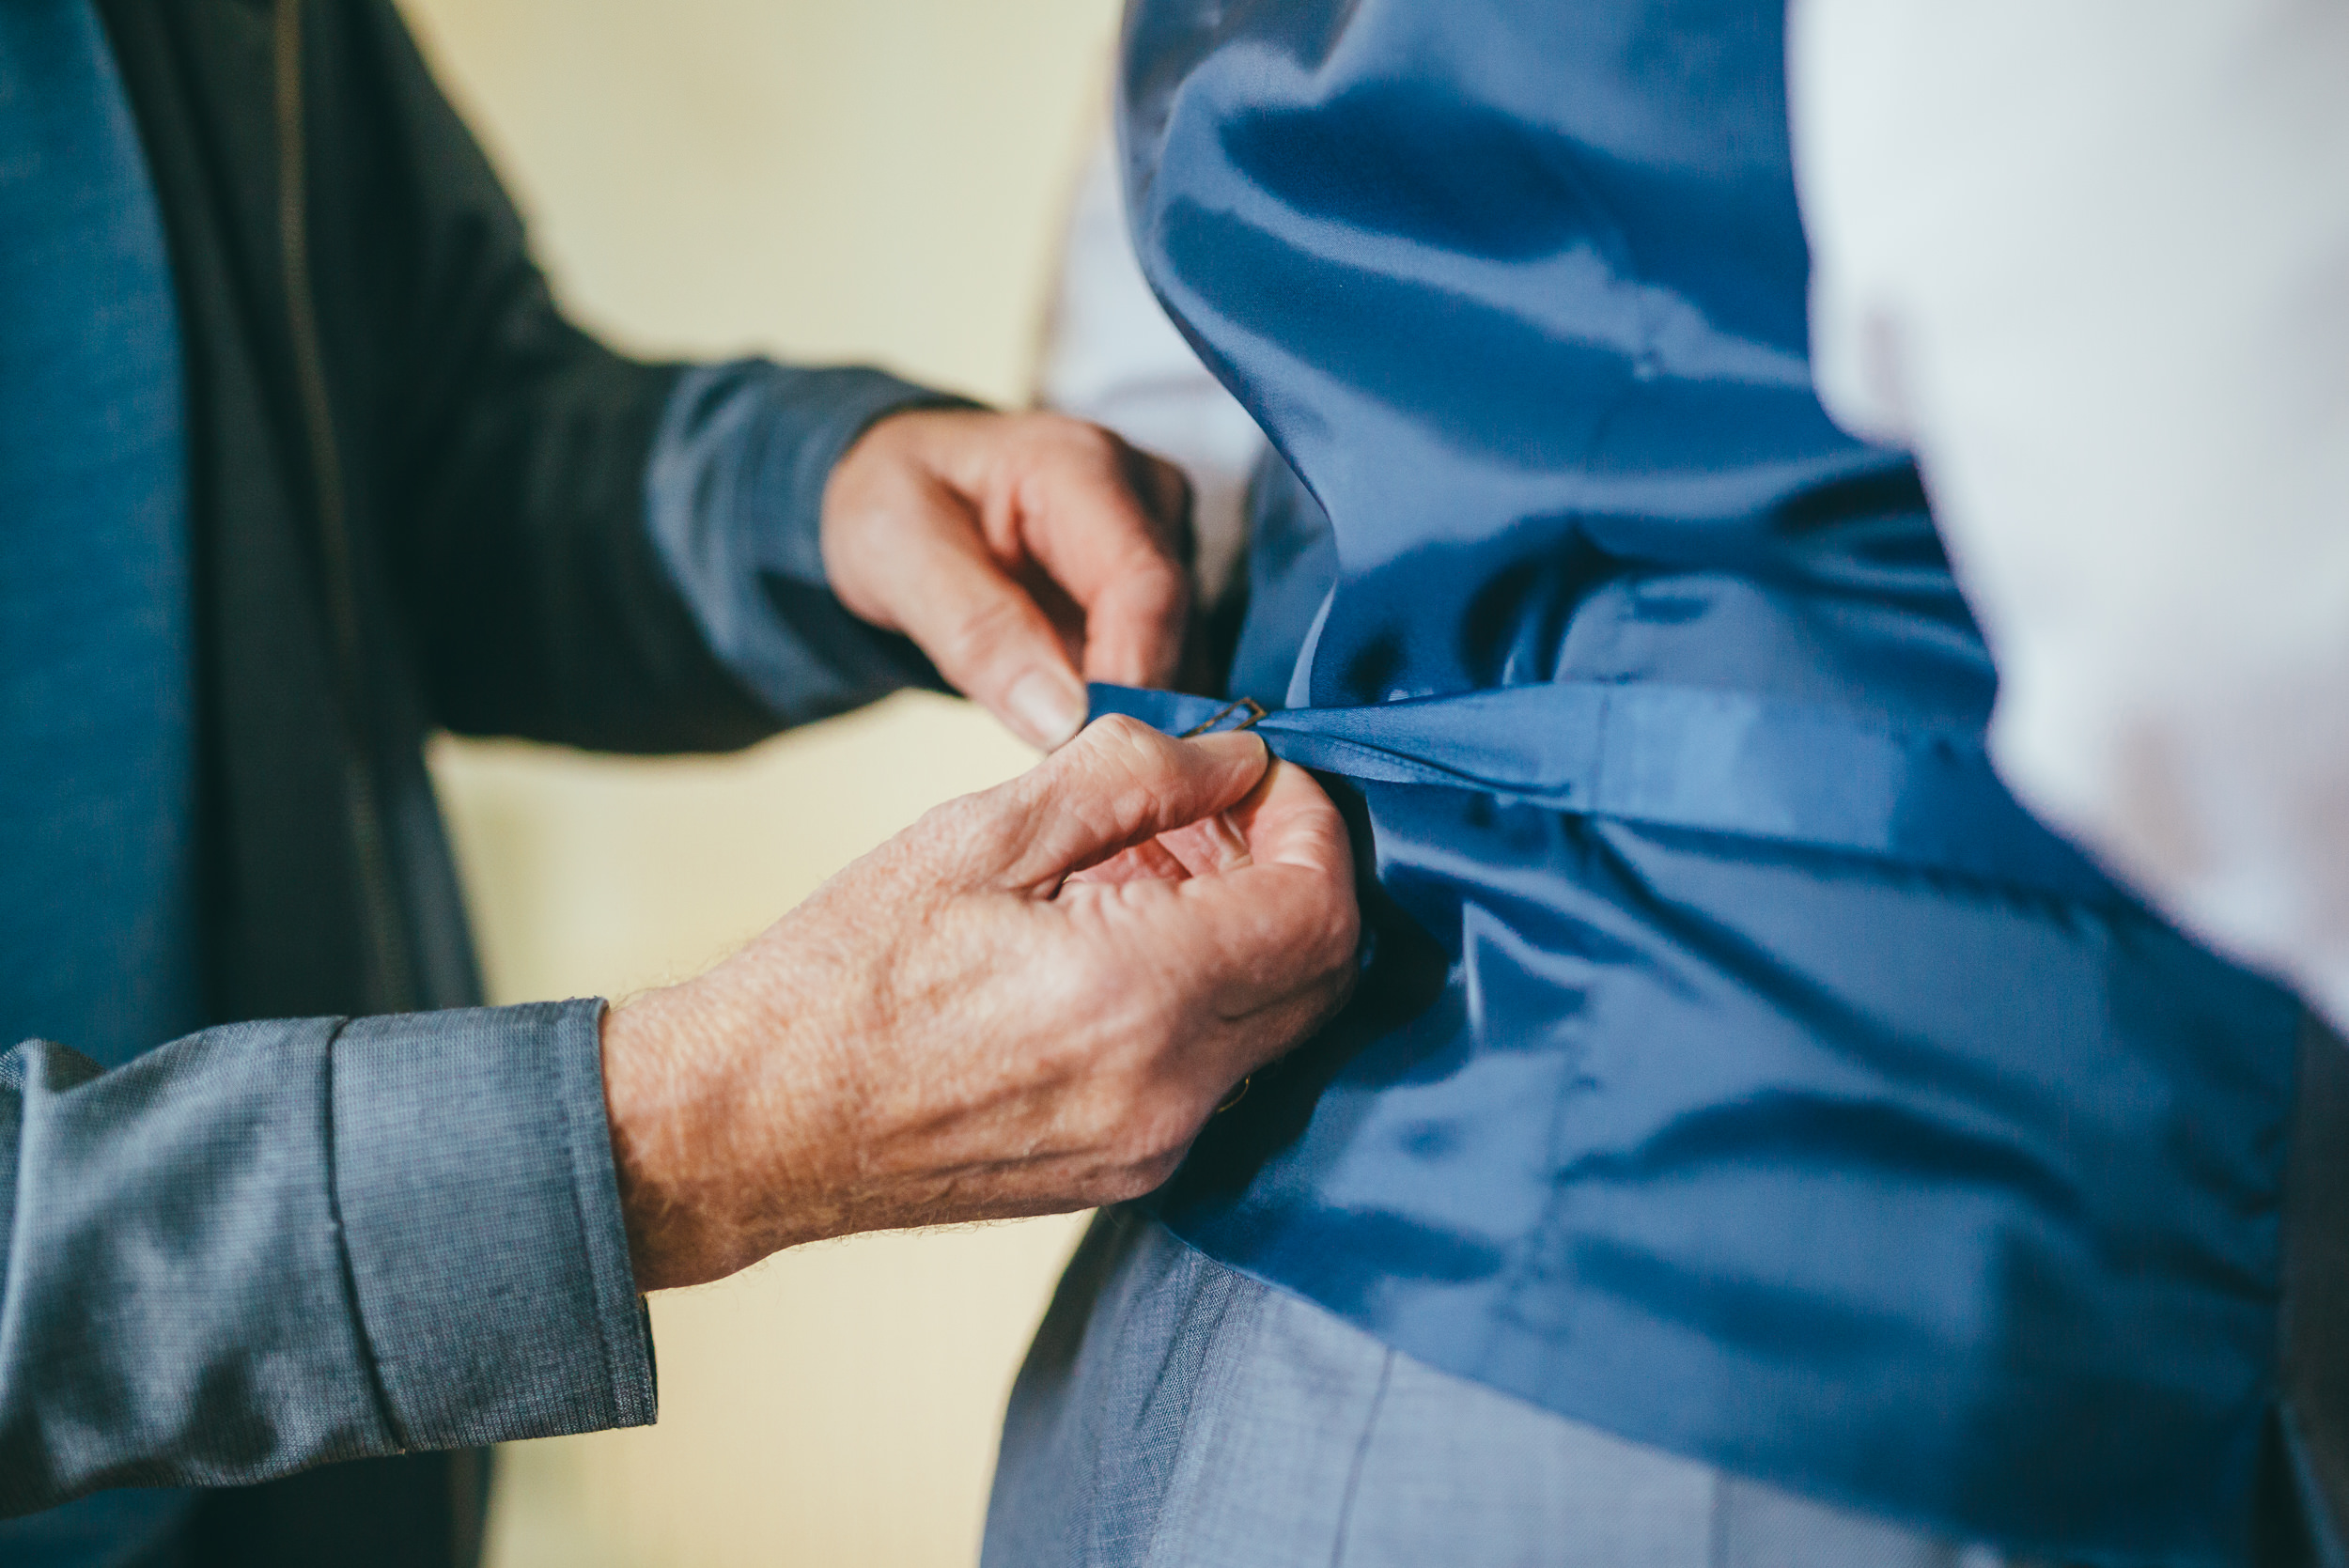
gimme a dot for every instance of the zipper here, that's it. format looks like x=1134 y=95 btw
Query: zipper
x=390 y=981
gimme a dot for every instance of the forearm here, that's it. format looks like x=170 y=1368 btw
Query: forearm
x=272 y=1246
x=555 y=509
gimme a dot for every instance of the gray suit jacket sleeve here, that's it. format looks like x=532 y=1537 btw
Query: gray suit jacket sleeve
x=734 y=499
x=272 y=1245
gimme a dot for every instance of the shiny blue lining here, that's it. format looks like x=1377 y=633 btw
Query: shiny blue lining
x=1734 y=1067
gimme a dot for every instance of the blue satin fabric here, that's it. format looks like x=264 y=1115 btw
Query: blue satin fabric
x=1678 y=756
x=1735 y=1068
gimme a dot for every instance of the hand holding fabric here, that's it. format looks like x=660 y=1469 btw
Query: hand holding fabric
x=1024 y=553
x=1029 y=1001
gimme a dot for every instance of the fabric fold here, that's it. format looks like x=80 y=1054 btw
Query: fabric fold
x=481 y=1217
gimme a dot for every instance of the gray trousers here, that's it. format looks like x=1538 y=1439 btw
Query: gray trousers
x=1174 y=1414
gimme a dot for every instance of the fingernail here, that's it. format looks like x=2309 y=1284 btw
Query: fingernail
x=1049 y=705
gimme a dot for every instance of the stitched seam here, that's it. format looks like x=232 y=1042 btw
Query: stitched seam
x=1092 y=1552
x=1361 y=1461
x=376 y=1384
x=596 y=1265
x=1525 y=1268
x=1204 y=1411
x=1716 y=1549
x=390 y=974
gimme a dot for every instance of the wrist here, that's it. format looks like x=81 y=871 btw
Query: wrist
x=715 y=1111
x=639 y=1057
x=664 y=1063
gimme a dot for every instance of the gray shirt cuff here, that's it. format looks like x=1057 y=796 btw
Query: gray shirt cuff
x=481 y=1220
x=734 y=499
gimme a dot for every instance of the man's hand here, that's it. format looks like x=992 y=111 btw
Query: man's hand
x=1031 y=1001
x=1024 y=553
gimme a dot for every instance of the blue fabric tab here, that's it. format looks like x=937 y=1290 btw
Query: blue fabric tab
x=1671 y=756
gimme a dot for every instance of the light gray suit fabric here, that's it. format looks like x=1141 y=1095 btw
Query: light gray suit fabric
x=1174 y=1414
x=272 y=1245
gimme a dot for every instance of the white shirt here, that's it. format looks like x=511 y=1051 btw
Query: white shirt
x=2090 y=259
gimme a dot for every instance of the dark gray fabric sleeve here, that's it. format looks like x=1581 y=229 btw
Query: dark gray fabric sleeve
x=734 y=499
x=269 y=1246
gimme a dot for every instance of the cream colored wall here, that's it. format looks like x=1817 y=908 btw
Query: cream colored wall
x=814 y=178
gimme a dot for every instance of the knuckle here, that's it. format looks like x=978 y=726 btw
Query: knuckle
x=946 y=836
x=1121 y=729
x=1316 y=944
x=1155 y=586
x=1151 y=1142
x=1125 y=1182
x=1081 y=438
x=1128 y=743
x=1341 y=936
x=1101 y=456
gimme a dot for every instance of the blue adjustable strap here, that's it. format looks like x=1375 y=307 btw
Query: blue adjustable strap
x=1920 y=796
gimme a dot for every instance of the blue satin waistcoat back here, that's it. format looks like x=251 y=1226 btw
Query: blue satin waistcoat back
x=1909 y=1183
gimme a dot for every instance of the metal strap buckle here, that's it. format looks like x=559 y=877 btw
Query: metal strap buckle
x=1255 y=716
